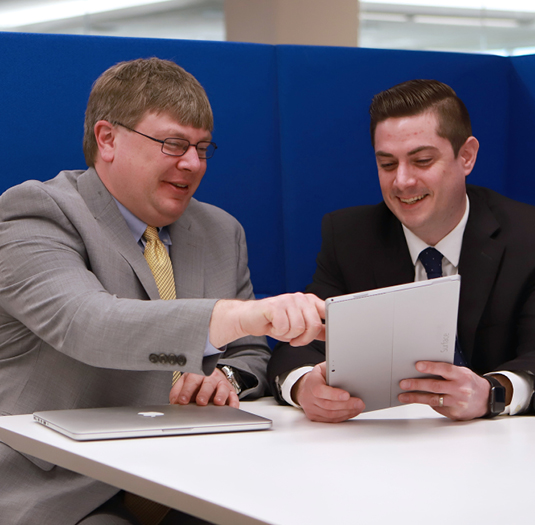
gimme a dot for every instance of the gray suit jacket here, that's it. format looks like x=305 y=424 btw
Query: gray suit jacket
x=80 y=316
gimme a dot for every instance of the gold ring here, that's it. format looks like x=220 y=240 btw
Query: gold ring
x=441 y=401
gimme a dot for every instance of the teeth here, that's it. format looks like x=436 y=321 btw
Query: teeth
x=413 y=200
x=179 y=185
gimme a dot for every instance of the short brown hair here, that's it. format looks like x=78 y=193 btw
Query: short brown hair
x=418 y=96
x=128 y=90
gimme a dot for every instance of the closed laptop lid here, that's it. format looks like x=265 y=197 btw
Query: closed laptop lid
x=155 y=420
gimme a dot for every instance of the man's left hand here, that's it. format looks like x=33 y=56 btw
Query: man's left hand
x=464 y=394
x=203 y=389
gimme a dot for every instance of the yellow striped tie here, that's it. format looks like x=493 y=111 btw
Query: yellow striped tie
x=161 y=268
x=146 y=511
x=159 y=264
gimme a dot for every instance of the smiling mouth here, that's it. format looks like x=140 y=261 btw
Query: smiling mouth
x=412 y=200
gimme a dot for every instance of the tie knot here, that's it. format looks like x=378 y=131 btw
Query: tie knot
x=151 y=234
x=432 y=260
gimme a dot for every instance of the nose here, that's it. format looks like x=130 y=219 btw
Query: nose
x=404 y=177
x=190 y=160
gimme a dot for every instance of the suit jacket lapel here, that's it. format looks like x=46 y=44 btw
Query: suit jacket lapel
x=187 y=257
x=110 y=219
x=481 y=254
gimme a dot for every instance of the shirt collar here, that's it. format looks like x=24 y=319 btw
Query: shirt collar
x=449 y=246
x=138 y=227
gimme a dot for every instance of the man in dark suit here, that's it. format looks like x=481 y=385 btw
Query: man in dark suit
x=424 y=148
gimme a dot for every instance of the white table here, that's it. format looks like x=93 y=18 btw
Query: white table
x=404 y=465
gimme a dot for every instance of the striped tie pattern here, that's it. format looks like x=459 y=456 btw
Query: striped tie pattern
x=159 y=264
x=161 y=268
x=146 y=511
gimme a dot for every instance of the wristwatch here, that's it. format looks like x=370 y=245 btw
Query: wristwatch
x=496 y=397
x=232 y=376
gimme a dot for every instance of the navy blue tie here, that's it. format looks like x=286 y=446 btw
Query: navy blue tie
x=432 y=260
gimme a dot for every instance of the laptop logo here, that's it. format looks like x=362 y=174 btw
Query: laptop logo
x=150 y=414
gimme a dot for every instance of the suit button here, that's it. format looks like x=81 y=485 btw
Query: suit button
x=162 y=358
x=181 y=360
x=171 y=359
x=153 y=358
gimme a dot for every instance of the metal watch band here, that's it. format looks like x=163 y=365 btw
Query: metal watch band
x=231 y=377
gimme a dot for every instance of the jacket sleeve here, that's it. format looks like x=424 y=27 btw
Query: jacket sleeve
x=49 y=294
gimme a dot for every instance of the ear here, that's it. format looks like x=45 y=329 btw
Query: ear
x=105 y=137
x=468 y=154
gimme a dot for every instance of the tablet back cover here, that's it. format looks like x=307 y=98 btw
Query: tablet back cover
x=375 y=338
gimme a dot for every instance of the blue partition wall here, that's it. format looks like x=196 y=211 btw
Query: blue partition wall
x=327 y=157
x=291 y=123
x=46 y=80
x=520 y=173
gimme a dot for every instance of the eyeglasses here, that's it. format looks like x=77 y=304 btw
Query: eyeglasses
x=176 y=147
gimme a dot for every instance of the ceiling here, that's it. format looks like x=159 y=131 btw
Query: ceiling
x=450 y=26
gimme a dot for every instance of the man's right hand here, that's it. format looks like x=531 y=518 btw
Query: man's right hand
x=321 y=402
x=295 y=318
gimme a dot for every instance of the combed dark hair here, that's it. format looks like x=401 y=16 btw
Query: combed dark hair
x=418 y=96
x=128 y=90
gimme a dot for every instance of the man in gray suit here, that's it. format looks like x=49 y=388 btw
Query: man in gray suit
x=81 y=323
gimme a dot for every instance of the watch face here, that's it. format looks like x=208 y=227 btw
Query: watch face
x=496 y=397
x=499 y=396
x=497 y=400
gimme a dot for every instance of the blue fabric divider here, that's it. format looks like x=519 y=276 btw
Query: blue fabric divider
x=291 y=123
x=327 y=158
x=46 y=80
x=520 y=180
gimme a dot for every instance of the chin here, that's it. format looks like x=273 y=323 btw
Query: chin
x=412 y=223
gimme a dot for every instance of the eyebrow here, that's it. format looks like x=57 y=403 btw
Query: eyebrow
x=412 y=152
x=174 y=134
x=383 y=154
x=421 y=148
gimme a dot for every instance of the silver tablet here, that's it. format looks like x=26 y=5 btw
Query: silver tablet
x=86 y=424
x=374 y=338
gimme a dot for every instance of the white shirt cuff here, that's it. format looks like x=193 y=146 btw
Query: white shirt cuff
x=285 y=383
x=522 y=390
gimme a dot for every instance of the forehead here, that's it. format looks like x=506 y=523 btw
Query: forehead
x=170 y=126
x=404 y=134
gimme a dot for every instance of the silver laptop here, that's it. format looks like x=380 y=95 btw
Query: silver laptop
x=374 y=338
x=86 y=424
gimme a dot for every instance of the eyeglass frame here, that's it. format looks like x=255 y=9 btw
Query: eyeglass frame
x=162 y=142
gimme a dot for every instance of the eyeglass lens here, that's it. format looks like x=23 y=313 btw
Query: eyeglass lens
x=178 y=147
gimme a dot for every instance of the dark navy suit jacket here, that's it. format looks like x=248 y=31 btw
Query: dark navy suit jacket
x=364 y=248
